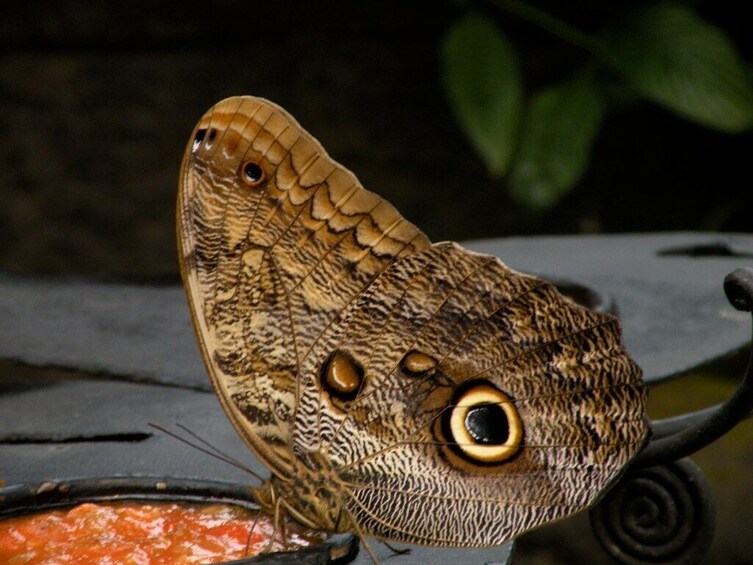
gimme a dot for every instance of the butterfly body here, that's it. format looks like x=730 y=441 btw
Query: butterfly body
x=311 y=495
x=393 y=386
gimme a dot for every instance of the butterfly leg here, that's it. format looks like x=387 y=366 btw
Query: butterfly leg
x=284 y=534
x=396 y=551
x=276 y=521
x=362 y=537
x=251 y=533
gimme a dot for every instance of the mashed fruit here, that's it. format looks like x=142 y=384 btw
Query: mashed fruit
x=140 y=533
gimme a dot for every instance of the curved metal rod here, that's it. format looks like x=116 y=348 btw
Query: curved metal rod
x=661 y=515
x=701 y=428
x=669 y=426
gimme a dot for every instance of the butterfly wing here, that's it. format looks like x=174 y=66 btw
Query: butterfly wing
x=488 y=403
x=275 y=239
x=330 y=325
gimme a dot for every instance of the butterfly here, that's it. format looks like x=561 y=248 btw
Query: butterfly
x=395 y=388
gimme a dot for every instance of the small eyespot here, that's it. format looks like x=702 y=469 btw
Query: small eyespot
x=483 y=424
x=211 y=136
x=417 y=363
x=252 y=174
x=342 y=376
x=200 y=134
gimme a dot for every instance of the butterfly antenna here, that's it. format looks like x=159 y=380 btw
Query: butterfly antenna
x=216 y=450
x=207 y=448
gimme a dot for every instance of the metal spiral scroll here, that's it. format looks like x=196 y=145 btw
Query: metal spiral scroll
x=658 y=515
x=662 y=511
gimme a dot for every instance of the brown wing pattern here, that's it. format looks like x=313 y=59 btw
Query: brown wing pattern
x=578 y=395
x=275 y=238
x=290 y=264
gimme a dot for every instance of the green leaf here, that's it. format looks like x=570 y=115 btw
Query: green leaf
x=673 y=57
x=483 y=85
x=559 y=130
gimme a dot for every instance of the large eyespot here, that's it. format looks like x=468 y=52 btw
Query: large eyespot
x=342 y=376
x=251 y=173
x=483 y=424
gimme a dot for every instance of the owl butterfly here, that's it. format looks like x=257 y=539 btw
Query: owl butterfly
x=397 y=388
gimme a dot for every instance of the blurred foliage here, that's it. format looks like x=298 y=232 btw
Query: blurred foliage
x=664 y=53
x=489 y=103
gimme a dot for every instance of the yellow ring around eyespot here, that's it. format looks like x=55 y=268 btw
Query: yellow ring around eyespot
x=484 y=394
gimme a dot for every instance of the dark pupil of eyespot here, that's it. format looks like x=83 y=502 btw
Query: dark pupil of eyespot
x=487 y=424
x=252 y=171
x=199 y=138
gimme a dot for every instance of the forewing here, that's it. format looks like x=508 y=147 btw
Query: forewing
x=275 y=240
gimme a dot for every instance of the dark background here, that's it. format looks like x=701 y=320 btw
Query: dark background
x=97 y=100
